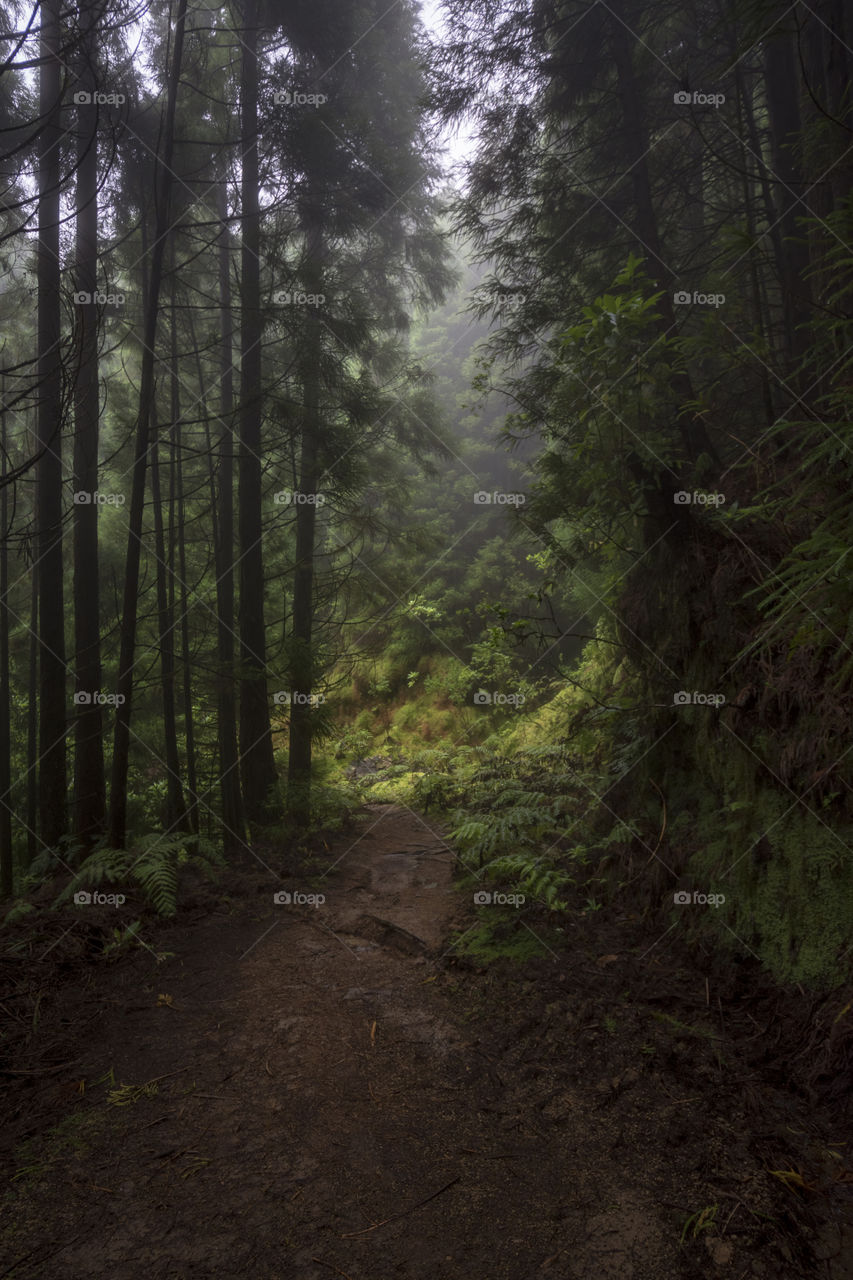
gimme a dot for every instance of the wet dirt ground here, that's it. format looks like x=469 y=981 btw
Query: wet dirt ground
x=302 y=1091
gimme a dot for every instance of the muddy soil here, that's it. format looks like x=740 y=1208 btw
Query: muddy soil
x=281 y=1090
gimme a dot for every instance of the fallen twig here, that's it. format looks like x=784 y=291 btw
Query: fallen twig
x=52 y=1254
x=394 y=1216
x=332 y=1267
x=37 y=1071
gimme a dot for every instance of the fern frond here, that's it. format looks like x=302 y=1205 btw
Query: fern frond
x=108 y=866
x=157 y=872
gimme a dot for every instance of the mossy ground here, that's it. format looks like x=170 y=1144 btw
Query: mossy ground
x=701 y=802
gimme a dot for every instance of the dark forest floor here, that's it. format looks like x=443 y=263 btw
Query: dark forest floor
x=332 y=1091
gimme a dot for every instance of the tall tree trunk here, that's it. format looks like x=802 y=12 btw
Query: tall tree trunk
x=749 y=197
x=53 y=709
x=823 y=149
x=186 y=659
x=636 y=133
x=6 y=866
x=665 y=518
x=256 y=752
x=162 y=199
x=301 y=642
x=173 y=817
x=177 y=546
x=745 y=99
x=233 y=821
x=89 y=780
x=782 y=80
x=33 y=719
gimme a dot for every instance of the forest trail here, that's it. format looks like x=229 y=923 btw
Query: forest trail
x=328 y=1096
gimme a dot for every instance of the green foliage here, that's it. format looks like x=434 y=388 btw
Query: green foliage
x=354 y=744
x=806 y=598
x=156 y=870
x=18 y=911
x=454 y=682
x=608 y=423
x=704 y=1220
x=123 y=939
x=391 y=790
x=531 y=823
x=331 y=805
x=154 y=864
x=48 y=861
x=515 y=831
x=435 y=792
x=791 y=888
x=498 y=937
x=538 y=880
x=103 y=866
x=617 y=401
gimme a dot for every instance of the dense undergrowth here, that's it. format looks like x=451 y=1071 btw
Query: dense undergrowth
x=574 y=793
x=594 y=791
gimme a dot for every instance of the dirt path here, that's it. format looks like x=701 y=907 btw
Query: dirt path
x=328 y=1095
